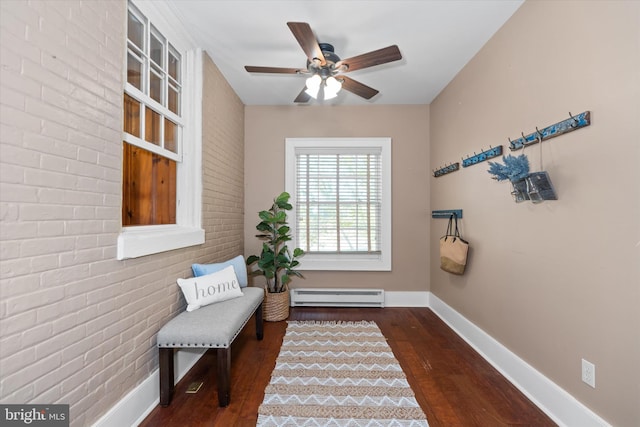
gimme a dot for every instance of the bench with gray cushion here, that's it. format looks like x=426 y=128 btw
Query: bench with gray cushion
x=212 y=326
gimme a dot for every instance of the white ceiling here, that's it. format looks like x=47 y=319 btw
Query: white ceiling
x=436 y=39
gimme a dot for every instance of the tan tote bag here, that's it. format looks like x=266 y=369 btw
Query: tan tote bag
x=453 y=249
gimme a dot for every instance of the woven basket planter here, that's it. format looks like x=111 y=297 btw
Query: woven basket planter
x=275 y=306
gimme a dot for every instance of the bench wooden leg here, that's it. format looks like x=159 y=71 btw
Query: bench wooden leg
x=223 y=356
x=259 y=323
x=166 y=376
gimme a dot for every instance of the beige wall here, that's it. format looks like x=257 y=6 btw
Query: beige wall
x=408 y=126
x=559 y=281
x=76 y=325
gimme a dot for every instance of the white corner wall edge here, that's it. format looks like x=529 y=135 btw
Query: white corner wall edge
x=559 y=405
x=132 y=409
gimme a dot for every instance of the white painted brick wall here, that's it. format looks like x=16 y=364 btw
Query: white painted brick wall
x=76 y=325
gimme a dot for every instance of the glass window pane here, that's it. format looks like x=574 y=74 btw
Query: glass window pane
x=157 y=49
x=174 y=100
x=155 y=85
x=135 y=30
x=131 y=116
x=152 y=126
x=170 y=135
x=134 y=71
x=174 y=64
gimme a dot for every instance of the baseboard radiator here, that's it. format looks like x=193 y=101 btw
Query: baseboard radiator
x=337 y=297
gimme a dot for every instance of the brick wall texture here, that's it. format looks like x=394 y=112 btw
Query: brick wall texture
x=76 y=325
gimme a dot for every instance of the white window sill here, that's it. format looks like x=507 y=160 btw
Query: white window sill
x=134 y=242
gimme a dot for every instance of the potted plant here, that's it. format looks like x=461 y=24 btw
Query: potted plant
x=276 y=262
x=516 y=170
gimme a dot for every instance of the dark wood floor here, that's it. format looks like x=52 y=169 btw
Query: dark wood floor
x=452 y=383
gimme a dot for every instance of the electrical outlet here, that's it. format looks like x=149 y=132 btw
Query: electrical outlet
x=589 y=373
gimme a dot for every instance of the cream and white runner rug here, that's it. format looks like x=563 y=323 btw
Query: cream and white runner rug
x=338 y=374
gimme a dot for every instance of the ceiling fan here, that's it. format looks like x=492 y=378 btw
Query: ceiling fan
x=326 y=70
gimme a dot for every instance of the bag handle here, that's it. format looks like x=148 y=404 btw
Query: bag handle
x=457 y=232
x=450 y=226
x=451 y=231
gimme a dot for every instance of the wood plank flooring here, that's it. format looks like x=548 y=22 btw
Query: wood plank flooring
x=453 y=384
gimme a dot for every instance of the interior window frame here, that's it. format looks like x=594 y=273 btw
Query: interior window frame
x=137 y=241
x=344 y=261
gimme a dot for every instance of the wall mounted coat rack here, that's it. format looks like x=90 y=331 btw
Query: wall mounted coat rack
x=446 y=213
x=565 y=126
x=446 y=169
x=484 y=155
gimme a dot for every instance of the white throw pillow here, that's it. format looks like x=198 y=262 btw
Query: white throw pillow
x=215 y=287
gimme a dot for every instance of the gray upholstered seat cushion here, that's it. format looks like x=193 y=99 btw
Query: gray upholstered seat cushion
x=215 y=325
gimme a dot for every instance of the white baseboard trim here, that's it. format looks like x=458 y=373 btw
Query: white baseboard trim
x=406 y=299
x=559 y=405
x=132 y=409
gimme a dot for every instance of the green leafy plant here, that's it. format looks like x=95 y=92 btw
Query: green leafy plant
x=514 y=168
x=276 y=262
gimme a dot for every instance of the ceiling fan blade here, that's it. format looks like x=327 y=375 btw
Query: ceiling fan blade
x=307 y=40
x=358 y=88
x=303 y=96
x=376 y=57
x=277 y=70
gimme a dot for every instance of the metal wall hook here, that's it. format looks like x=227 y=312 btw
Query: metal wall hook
x=575 y=121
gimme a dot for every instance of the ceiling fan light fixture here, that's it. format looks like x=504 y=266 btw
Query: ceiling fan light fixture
x=323 y=65
x=329 y=95
x=313 y=85
x=332 y=87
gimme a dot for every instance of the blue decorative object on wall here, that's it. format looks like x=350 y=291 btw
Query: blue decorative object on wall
x=447 y=169
x=446 y=213
x=565 y=126
x=484 y=155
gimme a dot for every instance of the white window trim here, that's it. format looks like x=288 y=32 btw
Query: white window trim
x=140 y=142
x=135 y=242
x=368 y=262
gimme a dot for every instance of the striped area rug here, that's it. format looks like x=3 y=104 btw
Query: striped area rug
x=338 y=374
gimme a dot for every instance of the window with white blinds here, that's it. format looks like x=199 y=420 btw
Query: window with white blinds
x=338 y=202
x=340 y=191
